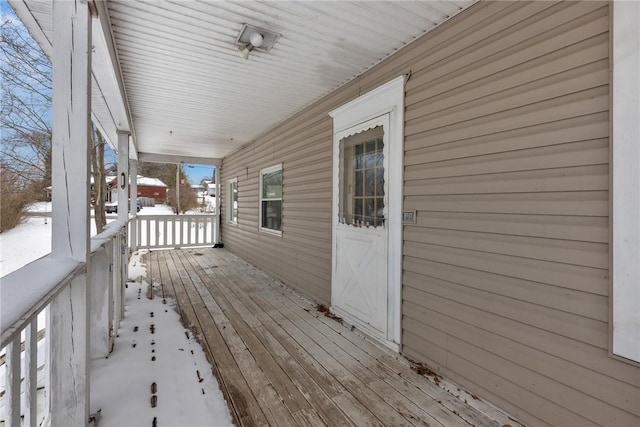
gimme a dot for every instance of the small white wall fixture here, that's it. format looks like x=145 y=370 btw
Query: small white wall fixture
x=625 y=160
x=387 y=99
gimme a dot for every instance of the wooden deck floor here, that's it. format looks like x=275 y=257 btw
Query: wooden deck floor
x=281 y=362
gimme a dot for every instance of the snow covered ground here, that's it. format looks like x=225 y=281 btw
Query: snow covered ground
x=25 y=243
x=32 y=239
x=186 y=393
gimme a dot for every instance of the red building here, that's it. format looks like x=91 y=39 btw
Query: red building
x=147 y=187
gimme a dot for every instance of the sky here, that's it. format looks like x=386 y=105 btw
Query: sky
x=5 y=9
x=197 y=173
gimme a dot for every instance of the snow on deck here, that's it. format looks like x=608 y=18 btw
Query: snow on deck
x=152 y=347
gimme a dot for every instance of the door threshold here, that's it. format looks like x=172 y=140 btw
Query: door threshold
x=370 y=332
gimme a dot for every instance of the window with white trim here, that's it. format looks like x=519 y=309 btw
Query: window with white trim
x=271 y=199
x=232 y=201
x=625 y=170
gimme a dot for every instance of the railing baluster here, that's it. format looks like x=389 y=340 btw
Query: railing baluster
x=31 y=373
x=215 y=230
x=205 y=223
x=175 y=232
x=117 y=277
x=166 y=236
x=156 y=227
x=12 y=381
x=148 y=233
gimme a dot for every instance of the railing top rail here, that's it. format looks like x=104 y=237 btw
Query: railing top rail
x=171 y=217
x=26 y=291
x=112 y=230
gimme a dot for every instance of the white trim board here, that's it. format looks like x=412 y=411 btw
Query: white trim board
x=625 y=168
x=386 y=99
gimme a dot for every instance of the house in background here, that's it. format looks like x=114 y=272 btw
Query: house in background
x=107 y=179
x=148 y=188
x=198 y=189
x=210 y=188
x=458 y=179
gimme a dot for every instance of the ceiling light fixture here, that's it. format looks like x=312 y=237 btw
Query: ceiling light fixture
x=251 y=38
x=255 y=40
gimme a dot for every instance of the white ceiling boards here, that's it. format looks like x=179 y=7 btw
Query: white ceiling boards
x=190 y=93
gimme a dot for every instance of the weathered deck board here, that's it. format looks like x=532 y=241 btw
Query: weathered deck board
x=243 y=403
x=287 y=372
x=281 y=362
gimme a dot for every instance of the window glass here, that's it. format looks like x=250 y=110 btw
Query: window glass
x=272 y=214
x=272 y=184
x=232 y=201
x=271 y=199
x=361 y=200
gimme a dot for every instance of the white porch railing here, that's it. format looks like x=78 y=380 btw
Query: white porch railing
x=34 y=289
x=170 y=231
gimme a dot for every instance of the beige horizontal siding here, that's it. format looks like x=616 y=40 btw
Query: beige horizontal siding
x=505 y=273
x=303 y=251
x=507 y=164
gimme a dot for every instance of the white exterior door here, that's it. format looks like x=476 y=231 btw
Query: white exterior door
x=360 y=281
x=366 y=224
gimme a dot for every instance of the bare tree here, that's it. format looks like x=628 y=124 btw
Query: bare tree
x=161 y=171
x=25 y=110
x=99 y=184
x=25 y=119
x=188 y=199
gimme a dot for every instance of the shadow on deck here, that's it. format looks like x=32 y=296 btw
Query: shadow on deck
x=281 y=362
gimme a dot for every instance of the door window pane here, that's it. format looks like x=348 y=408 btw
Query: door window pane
x=359 y=188
x=370 y=182
x=361 y=198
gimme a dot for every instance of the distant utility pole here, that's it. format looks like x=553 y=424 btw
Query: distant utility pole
x=178 y=167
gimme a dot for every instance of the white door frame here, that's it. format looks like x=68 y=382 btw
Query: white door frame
x=386 y=99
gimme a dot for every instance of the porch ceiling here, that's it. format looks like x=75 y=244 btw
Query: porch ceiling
x=190 y=94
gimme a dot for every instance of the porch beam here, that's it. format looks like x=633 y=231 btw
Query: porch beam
x=167 y=158
x=69 y=323
x=108 y=74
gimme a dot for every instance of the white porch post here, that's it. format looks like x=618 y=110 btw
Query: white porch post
x=123 y=215
x=133 y=207
x=123 y=175
x=69 y=323
x=216 y=237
